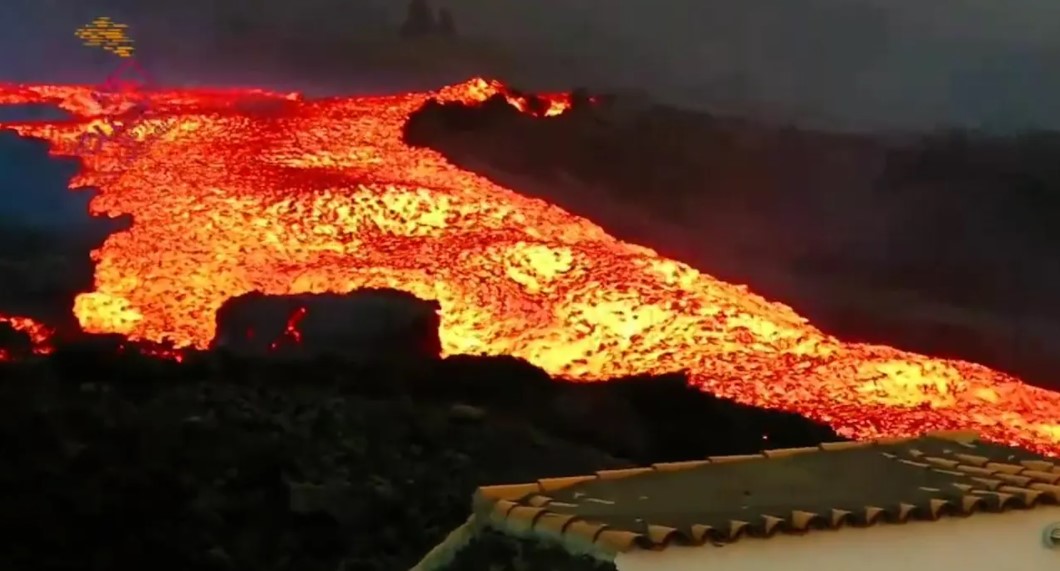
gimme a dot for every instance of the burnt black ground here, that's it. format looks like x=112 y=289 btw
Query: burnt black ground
x=113 y=461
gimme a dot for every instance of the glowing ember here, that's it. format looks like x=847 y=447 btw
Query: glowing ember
x=39 y=335
x=319 y=196
x=291 y=332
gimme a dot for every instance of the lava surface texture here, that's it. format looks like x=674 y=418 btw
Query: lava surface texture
x=252 y=190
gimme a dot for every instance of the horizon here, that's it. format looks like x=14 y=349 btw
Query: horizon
x=851 y=65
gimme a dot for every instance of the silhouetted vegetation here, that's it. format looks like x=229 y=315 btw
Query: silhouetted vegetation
x=114 y=459
x=491 y=550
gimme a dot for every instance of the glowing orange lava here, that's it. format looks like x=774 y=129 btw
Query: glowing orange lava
x=39 y=335
x=322 y=195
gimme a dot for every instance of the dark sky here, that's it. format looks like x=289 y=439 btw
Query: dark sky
x=875 y=63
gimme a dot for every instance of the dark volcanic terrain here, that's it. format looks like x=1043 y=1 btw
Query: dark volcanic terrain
x=116 y=461
x=942 y=243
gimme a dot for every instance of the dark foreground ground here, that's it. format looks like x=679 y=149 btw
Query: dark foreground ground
x=115 y=461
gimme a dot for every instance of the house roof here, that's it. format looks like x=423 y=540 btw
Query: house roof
x=721 y=499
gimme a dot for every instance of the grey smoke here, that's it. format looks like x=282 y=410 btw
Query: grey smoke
x=841 y=63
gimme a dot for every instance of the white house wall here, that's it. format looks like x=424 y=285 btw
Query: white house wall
x=1011 y=541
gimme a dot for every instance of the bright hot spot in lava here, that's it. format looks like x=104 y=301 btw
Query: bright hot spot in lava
x=323 y=195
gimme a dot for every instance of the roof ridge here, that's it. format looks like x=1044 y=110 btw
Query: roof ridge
x=979 y=479
x=513 y=491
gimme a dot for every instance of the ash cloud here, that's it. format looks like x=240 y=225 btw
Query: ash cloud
x=838 y=63
x=854 y=63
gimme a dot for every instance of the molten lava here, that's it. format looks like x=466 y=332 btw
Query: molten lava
x=322 y=195
x=39 y=335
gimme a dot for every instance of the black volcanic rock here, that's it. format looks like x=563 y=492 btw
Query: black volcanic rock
x=13 y=343
x=435 y=119
x=226 y=462
x=364 y=325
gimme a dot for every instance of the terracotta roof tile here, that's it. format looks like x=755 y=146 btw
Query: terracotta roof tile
x=721 y=499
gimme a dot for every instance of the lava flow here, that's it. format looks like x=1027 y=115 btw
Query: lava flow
x=323 y=195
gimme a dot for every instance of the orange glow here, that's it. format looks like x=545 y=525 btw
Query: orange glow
x=482 y=89
x=39 y=335
x=319 y=196
x=107 y=35
x=290 y=332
